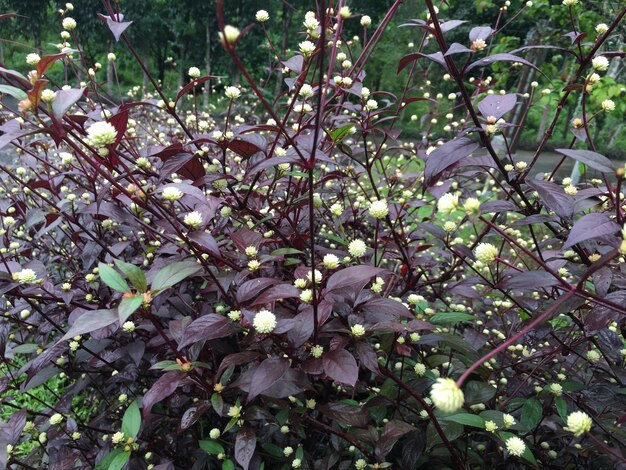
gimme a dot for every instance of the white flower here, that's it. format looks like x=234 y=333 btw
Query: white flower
x=515 y=446
x=420 y=369
x=69 y=24
x=306 y=295
x=193 y=219
x=128 y=326
x=264 y=321
x=578 y=423
x=379 y=209
x=230 y=35
x=214 y=433
x=593 y=356
x=357 y=248
x=600 y=63
x=608 y=106
x=317 y=351
x=508 y=420
x=117 y=437
x=262 y=16
x=306 y=48
x=48 y=96
x=25 y=276
x=471 y=205
x=232 y=92
x=357 y=330
x=486 y=253
x=32 y=59
x=170 y=193
x=448 y=203
x=446 y=396
x=371 y=105
x=555 y=389
x=111 y=57
x=331 y=261
x=56 y=418
x=602 y=28
x=570 y=3
x=306 y=91
x=366 y=21
x=251 y=251
x=345 y=12
x=360 y=464
x=193 y=72
x=101 y=133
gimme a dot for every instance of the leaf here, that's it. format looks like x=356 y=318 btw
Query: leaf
x=174 y=273
x=91 y=321
x=161 y=389
x=446 y=318
x=106 y=462
x=134 y=273
x=13 y=91
x=589 y=158
x=503 y=57
x=211 y=447
x=456 y=48
x=529 y=280
x=532 y=411
x=497 y=105
x=591 y=226
x=132 y=420
x=393 y=431
x=119 y=461
x=447 y=155
x=554 y=197
x=266 y=374
x=112 y=278
x=480 y=32
x=352 y=276
x=561 y=408
x=205 y=328
x=193 y=414
x=245 y=444
x=348 y=414
x=467 y=419
x=341 y=366
x=117 y=27
x=478 y=392
x=65 y=99
x=128 y=305
x=436 y=57
x=228 y=465
x=337 y=135
x=192 y=84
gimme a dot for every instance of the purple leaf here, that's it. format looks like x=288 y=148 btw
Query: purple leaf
x=529 y=280
x=503 y=57
x=447 y=155
x=591 y=226
x=251 y=289
x=205 y=328
x=393 y=431
x=480 y=32
x=450 y=25
x=352 y=276
x=245 y=444
x=117 y=27
x=64 y=100
x=268 y=372
x=554 y=197
x=236 y=359
x=367 y=357
x=193 y=414
x=91 y=321
x=162 y=388
x=436 y=57
x=344 y=413
x=589 y=158
x=279 y=292
x=456 y=48
x=341 y=366
x=497 y=105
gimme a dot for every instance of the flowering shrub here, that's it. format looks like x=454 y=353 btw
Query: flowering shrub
x=287 y=283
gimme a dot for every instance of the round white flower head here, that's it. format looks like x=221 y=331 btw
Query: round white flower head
x=306 y=48
x=230 y=35
x=360 y=464
x=448 y=203
x=232 y=92
x=262 y=16
x=25 y=276
x=357 y=248
x=508 y=420
x=345 y=12
x=608 y=106
x=32 y=59
x=128 y=326
x=69 y=24
x=101 y=134
x=56 y=418
x=48 y=96
x=446 y=396
x=193 y=219
x=486 y=253
x=570 y=3
x=600 y=63
x=515 y=446
x=306 y=91
x=370 y=105
x=471 y=205
x=171 y=193
x=578 y=423
x=379 y=209
x=111 y=57
x=420 y=369
x=366 y=21
x=357 y=330
x=193 y=72
x=602 y=28
x=264 y=321
x=215 y=433
x=331 y=261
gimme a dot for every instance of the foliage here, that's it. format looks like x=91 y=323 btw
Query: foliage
x=282 y=280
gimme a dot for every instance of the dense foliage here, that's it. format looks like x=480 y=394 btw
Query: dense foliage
x=282 y=277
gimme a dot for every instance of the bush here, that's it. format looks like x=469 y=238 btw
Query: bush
x=286 y=284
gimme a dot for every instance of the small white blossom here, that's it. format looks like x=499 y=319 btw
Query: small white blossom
x=101 y=134
x=446 y=396
x=193 y=219
x=379 y=209
x=600 y=63
x=193 y=72
x=515 y=446
x=264 y=321
x=232 y=92
x=486 y=253
x=357 y=248
x=69 y=24
x=578 y=423
x=262 y=16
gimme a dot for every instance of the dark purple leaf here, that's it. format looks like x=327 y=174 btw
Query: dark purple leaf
x=251 y=289
x=91 y=321
x=294 y=64
x=503 y=57
x=193 y=414
x=393 y=431
x=447 y=155
x=64 y=100
x=497 y=105
x=206 y=242
x=450 y=25
x=302 y=328
x=192 y=84
x=118 y=27
x=436 y=57
x=591 y=159
x=387 y=306
x=529 y=280
x=245 y=444
x=456 y=48
x=554 y=197
x=367 y=357
x=341 y=366
x=600 y=316
x=205 y=328
x=268 y=372
x=480 y=32
x=591 y=226
x=161 y=389
x=352 y=276
x=236 y=359
x=279 y=292
x=344 y=413
x=497 y=206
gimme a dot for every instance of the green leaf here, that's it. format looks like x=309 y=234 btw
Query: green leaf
x=131 y=421
x=165 y=365
x=467 y=419
x=273 y=450
x=134 y=273
x=13 y=91
x=532 y=411
x=561 y=408
x=174 y=273
x=105 y=463
x=447 y=318
x=119 y=461
x=112 y=278
x=286 y=251
x=478 y=392
x=211 y=447
x=341 y=133
x=228 y=465
x=230 y=424
x=128 y=305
